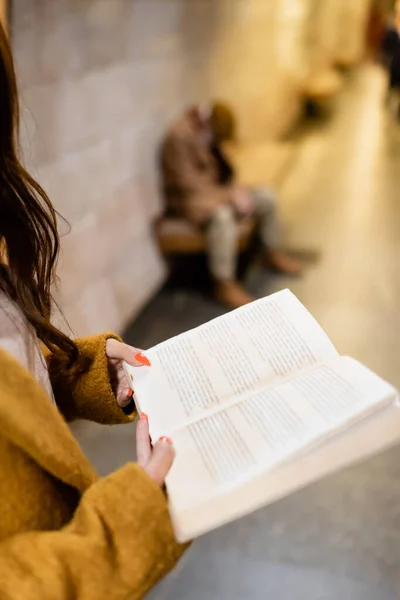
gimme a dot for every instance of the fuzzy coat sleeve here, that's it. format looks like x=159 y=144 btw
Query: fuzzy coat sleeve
x=118 y=544
x=89 y=395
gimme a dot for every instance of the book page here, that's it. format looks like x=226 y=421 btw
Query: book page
x=228 y=357
x=370 y=436
x=237 y=443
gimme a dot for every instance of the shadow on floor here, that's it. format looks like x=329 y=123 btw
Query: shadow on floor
x=183 y=305
x=186 y=301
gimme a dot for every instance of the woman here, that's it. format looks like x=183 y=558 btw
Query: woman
x=64 y=532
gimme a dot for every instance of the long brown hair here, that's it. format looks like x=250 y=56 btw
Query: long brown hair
x=29 y=240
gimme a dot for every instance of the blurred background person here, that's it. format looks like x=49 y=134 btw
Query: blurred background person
x=378 y=21
x=200 y=185
x=391 y=59
x=64 y=532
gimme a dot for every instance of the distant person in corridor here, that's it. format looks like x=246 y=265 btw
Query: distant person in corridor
x=391 y=58
x=65 y=532
x=200 y=185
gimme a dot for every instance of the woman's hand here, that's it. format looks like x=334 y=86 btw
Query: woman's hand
x=155 y=460
x=116 y=353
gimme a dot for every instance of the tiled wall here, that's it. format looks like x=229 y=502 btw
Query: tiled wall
x=100 y=80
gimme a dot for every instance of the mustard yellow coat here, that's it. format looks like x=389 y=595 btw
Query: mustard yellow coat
x=66 y=533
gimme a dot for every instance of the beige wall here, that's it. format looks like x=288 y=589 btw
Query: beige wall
x=100 y=81
x=335 y=33
x=351 y=37
x=258 y=63
x=265 y=51
x=323 y=30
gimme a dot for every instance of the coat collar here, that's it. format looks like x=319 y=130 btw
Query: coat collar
x=30 y=420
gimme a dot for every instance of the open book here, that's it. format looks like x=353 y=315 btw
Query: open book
x=258 y=404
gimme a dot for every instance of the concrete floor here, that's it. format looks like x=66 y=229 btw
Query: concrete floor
x=339 y=538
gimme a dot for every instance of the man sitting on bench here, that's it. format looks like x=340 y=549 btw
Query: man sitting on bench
x=200 y=185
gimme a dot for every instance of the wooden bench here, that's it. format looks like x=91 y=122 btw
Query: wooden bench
x=322 y=88
x=257 y=165
x=344 y=62
x=178 y=236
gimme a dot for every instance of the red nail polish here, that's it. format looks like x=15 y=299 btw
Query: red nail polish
x=142 y=359
x=144 y=417
x=130 y=394
x=166 y=440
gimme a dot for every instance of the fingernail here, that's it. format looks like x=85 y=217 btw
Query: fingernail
x=144 y=417
x=130 y=394
x=165 y=440
x=142 y=359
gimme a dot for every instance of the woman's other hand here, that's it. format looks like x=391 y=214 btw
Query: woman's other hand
x=155 y=460
x=117 y=353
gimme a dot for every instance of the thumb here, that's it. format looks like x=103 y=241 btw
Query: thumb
x=161 y=460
